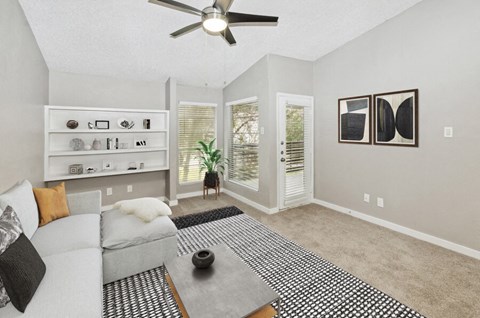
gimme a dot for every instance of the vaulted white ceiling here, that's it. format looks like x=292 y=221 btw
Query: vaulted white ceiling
x=130 y=38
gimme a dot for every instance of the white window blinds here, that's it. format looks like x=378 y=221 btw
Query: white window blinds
x=243 y=144
x=298 y=152
x=194 y=123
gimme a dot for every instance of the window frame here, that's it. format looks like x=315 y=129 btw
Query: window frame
x=227 y=135
x=193 y=104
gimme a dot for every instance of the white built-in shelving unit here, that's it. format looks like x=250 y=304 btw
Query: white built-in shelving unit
x=59 y=155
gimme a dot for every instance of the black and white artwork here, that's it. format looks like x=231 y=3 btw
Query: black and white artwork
x=354 y=119
x=396 y=118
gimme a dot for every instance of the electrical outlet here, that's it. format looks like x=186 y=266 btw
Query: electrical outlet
x=109 y=191
x=129 y=188
x=380 y=202
x=262 y=130
x=448 y=132
x=366 y=197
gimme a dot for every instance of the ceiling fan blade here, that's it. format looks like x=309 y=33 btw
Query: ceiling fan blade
x=186 y=29
x=228 y=36
x=223 y=5
x=237 y=18
x=177 y=6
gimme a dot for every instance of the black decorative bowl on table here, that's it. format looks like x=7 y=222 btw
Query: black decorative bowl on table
x=203 y=258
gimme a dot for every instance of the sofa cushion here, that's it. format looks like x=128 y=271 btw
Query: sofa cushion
x=10 y=230
x=52 y=203
x=21 y=270
x=20 y=198
x=122 y=230
x=68 y=234
x=72 y=287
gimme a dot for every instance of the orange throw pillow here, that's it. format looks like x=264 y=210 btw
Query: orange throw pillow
x=52 y=203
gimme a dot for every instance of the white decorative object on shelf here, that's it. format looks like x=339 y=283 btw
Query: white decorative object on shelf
x=151 y=151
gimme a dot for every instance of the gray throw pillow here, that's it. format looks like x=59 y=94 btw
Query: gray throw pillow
x=10 y=230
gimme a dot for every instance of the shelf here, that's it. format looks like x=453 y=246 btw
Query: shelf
x=58 y=156
x=105 y=131
x=102 y=152
x=103 y=174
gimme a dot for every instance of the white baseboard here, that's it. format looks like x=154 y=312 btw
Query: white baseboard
x=191 y=194
x=171 y=202
x=404 y=230
x=109 y=207
x=233 y=195
x=251 y=203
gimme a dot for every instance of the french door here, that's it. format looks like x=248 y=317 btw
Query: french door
x=295 y=150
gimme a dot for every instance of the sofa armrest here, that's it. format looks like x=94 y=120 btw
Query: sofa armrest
x=85 y=202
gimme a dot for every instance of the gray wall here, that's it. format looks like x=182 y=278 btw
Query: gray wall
x=23 y=92
x=201 y=95
x=95 y=91
x=267 y=77
x=434 y=188
x=171 y=175
x=67 y=89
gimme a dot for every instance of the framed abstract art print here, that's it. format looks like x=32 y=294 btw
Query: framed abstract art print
x=354 y=120
x=396 y=118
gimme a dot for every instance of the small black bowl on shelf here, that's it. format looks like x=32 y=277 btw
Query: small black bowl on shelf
x=203 y=258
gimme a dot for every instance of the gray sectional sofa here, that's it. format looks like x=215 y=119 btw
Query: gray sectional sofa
x=77 y=262
x=71 y=250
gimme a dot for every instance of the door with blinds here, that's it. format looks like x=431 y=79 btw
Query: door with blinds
x=295 y=150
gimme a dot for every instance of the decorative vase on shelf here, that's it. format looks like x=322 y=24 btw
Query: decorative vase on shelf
x=203 y=258
x=97 y=144
x=77 y=144
x=72 y=124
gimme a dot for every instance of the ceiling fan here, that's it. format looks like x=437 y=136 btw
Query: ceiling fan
x=216 y=19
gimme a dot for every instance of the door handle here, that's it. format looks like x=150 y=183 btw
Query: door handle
x=282 y=160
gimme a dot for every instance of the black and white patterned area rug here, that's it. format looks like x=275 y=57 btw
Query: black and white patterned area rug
x=308 y=285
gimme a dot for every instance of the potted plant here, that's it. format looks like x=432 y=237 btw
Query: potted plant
x=211 y=159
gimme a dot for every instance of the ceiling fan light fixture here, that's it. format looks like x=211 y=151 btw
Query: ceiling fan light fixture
x=214 y=20
x=214 y=25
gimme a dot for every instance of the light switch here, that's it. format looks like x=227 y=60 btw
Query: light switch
x=448 y=132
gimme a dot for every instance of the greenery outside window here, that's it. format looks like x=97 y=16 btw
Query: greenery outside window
x=243 y=141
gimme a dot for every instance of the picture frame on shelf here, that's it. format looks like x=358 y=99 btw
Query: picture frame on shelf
x=396 y=118
x=102 y=124
x=354 y=120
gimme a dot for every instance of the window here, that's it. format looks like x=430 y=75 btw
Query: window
x=195 y=122
x=243 y=143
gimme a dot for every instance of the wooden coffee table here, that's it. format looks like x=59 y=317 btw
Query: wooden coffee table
x=228 y=288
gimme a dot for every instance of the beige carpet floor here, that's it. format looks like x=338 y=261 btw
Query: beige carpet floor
x=432 y=280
